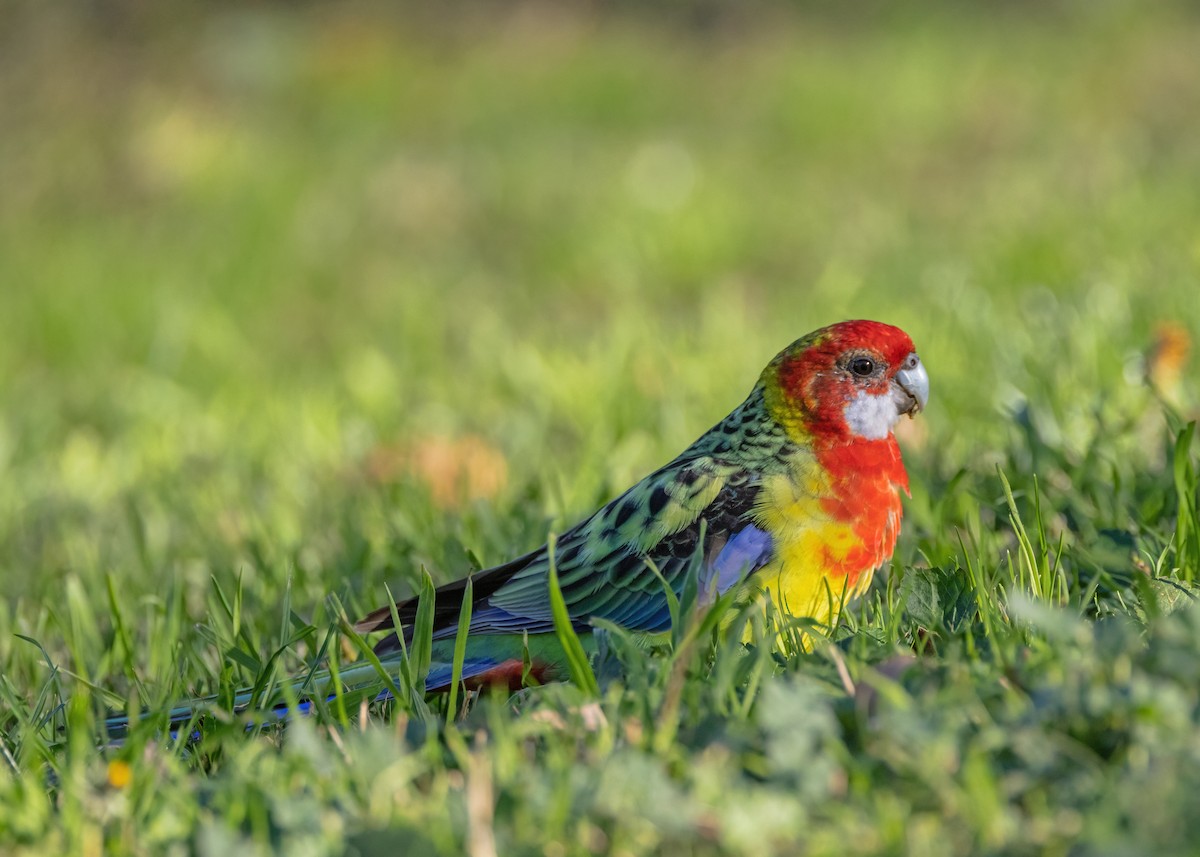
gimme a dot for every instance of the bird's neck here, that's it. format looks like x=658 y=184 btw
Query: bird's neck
x=770 y=441
x=851 y=463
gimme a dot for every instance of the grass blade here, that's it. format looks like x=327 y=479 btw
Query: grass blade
x=460 y=647
x=578 y=664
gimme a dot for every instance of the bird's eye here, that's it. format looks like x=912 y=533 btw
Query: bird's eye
x=862 y=366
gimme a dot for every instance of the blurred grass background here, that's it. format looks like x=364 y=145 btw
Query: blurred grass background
x=313 y=294
x=246 y=250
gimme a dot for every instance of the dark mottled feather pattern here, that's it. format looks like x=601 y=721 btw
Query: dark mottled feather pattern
x=601 y=561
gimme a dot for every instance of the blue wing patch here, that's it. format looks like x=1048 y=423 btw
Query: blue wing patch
x=748 y=551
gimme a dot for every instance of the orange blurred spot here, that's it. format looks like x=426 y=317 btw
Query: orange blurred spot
x=120 y=774
x=1167 y=357
x=455 y=470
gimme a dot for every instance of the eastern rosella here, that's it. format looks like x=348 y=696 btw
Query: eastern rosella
x=796 y=492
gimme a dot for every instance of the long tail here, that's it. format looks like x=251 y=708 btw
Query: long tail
x=300 y=696
x=505 y=660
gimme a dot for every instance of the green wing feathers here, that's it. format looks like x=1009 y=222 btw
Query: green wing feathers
x=603 y=562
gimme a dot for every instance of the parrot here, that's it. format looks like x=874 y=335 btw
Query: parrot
x=797 y=493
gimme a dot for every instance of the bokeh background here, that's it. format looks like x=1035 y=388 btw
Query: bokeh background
x=266 y=269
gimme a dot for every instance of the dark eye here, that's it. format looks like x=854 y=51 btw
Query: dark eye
x=862 y=366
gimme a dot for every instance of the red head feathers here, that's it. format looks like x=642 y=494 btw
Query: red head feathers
x=846 y=382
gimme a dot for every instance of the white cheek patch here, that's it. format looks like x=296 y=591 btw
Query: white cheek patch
x=871 y=417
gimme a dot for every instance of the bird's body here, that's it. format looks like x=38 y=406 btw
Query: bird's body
x=796 y=492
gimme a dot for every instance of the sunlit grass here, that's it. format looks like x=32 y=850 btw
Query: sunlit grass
x=294 y=304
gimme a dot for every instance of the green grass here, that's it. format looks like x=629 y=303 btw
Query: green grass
x=294 y=303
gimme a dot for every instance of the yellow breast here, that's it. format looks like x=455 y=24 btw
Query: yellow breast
x=820 y=561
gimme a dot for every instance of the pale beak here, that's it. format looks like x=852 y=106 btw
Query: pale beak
x=910 y=389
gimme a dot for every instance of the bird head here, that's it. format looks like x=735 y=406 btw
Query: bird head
x=849 y=381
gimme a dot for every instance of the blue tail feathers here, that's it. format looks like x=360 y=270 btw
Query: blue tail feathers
x=360 y=681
